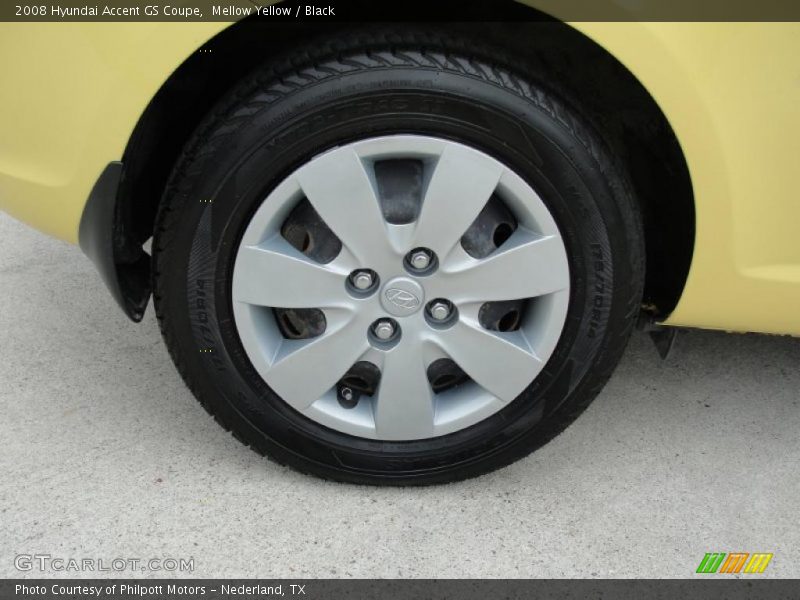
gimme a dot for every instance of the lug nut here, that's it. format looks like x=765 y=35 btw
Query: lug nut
x=420 y=259
x=384 y=330
x=439 y=310
x=362 y=280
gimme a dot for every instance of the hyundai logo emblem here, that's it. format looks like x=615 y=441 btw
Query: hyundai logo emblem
x=402 y=298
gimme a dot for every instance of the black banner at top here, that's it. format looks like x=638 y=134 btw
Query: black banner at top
x=399 y=10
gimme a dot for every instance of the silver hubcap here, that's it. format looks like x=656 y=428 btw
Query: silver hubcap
x=429 y=290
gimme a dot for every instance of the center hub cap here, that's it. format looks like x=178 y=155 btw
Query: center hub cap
x=402 y=297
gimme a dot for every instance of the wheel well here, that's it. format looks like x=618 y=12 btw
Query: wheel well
x=561 y=57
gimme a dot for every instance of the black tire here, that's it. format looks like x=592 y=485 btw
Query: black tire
x=368 y=85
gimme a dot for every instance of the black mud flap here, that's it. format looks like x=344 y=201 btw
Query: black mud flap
x=122 y=263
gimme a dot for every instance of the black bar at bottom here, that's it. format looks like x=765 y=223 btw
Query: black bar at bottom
x=379 y=589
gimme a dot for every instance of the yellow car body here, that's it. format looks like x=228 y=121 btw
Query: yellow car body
x=72 y=94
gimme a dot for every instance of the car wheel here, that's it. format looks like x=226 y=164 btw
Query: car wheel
x=399 y=261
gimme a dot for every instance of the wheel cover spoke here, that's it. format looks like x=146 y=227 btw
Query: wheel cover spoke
x=502 y=363
x=527 y=266
x=404 y=404
x=460 y=187
x=330 y=355
x=275 y=274
x=340 y=189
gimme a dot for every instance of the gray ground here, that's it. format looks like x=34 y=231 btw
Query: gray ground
x=104 y=453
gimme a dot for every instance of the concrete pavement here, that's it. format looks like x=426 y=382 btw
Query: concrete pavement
x=106 y=454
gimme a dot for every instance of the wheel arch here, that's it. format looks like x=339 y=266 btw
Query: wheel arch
x=612 y=98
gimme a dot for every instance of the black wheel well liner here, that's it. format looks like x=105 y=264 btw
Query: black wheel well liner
x=564 y=59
